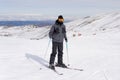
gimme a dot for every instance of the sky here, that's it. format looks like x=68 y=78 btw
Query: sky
x=57 y=7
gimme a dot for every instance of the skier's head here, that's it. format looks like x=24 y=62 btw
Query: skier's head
x=60 y=18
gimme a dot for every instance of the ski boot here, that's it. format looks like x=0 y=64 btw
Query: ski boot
x=51 y=66
x=61 y=65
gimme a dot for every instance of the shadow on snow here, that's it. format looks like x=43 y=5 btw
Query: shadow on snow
x=38 y=59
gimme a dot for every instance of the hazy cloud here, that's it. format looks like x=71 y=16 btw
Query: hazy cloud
x=74 y=7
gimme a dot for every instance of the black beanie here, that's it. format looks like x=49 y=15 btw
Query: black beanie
x=60 y=17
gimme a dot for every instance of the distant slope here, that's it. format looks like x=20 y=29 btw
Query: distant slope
x=96 y=24
x=91 y=25
x=30 y=31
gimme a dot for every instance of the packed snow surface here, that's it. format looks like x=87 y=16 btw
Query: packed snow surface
x=96 y=51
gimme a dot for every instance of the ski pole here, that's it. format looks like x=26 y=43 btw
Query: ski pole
x=67 y=53
x=47 y=48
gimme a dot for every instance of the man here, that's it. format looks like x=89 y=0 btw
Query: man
x=57 y=34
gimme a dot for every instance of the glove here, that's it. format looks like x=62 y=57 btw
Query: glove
x=66 y=39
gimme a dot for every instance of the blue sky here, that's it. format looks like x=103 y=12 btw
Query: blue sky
x=56 y=7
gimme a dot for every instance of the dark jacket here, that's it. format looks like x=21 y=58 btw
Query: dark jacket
x=58 y=32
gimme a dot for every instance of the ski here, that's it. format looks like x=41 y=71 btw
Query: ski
x=57 y=72
x=77 y=69
x=54 y=71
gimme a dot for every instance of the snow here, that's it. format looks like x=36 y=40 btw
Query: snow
x=91 y=25
x=28 y=31
x=22 y=58
x=96 y=24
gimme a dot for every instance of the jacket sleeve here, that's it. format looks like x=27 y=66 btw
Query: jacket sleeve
x=51 y=32
x=65 y=36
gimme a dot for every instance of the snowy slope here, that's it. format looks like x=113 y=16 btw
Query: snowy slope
x=96 y=24
x=30 y=31
x=99 y=56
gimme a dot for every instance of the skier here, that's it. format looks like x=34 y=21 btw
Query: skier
x=57 y=34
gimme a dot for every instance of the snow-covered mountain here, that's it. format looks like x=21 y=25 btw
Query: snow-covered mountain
x=30 y=31
x=97 y=51
x=96 y=24
x=90 y=25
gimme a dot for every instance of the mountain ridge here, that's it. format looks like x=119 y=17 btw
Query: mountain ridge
x=90 y=25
